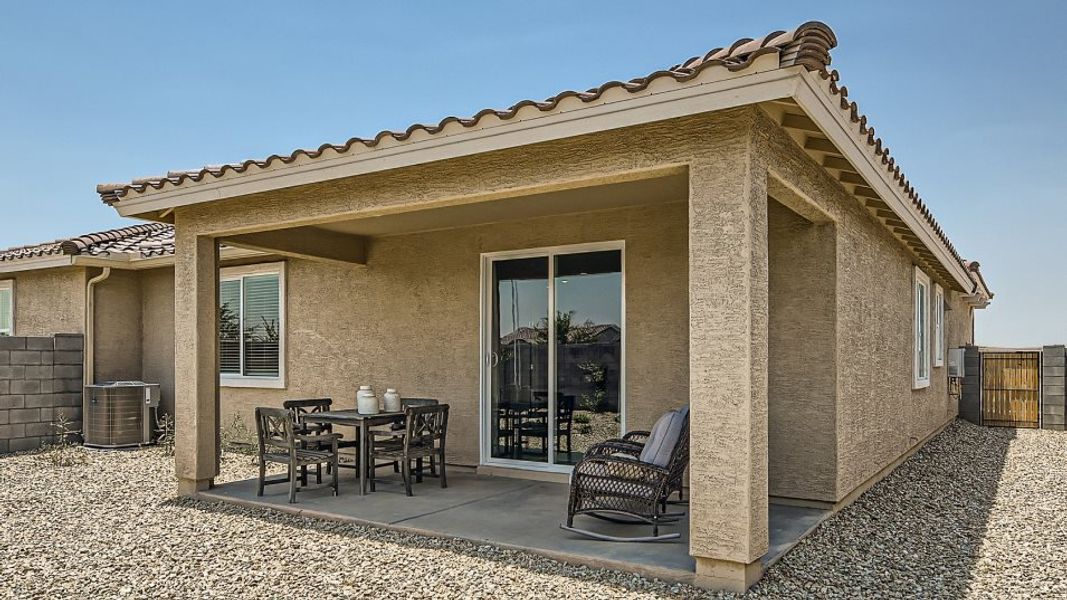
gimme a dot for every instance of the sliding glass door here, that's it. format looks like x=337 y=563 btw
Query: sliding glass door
x=553 y=377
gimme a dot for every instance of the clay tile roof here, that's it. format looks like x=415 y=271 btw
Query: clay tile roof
x=143 y=241
x=808 y=45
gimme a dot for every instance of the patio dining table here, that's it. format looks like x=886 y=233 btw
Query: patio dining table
x=362 y=423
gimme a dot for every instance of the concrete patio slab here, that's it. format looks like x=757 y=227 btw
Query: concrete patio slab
x=507 y=512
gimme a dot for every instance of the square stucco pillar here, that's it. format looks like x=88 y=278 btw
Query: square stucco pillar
x=728 y=315
x=196 y=380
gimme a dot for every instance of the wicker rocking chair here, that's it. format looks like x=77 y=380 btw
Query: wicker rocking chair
x=615 y=484
x=631 y=444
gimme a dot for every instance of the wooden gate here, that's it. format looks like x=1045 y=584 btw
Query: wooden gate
x=1011 y=389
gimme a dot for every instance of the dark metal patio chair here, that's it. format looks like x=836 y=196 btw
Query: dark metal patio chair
x=398 y=428
x=623 y=488
x=279 y=443
x=302 y=408
x=424 y=434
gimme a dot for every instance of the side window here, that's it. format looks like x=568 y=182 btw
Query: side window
x=7 y=307
x=252 y=326
x=922 y=330
x=939 y=326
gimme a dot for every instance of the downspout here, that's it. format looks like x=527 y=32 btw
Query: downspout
x=89 y=364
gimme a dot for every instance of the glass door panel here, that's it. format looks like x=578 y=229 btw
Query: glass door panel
x=519 y=359
x=588 y=351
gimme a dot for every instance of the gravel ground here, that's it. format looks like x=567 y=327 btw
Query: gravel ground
x=978 y=513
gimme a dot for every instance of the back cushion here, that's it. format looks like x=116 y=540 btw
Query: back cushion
x=662 y=438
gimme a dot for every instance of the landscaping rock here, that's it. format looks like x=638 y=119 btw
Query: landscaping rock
x=977 y=513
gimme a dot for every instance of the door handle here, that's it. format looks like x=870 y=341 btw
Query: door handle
x=494 y=359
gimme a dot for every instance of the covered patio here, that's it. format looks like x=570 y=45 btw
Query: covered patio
x=481 y=508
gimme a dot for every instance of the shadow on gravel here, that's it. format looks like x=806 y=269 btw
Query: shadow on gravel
x=917 y=533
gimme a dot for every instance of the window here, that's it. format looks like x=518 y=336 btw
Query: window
x=7 y=307
x=922 y=330
x=939 y=326
x=252 y=326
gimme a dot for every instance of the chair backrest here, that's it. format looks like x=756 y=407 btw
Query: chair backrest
x=274 y=428
x=564 y=411
x=406 y=402
x=425 y=424
x=303 y=407
x=666 y=439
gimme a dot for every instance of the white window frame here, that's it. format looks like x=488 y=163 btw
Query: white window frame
x=233 y=380
x=921 y=330
x=939 y=326
x=9 y=285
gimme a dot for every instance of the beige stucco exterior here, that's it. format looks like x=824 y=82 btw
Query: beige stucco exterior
x=49 y=301
x=768 y=298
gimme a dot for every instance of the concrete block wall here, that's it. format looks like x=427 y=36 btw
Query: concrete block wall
x=1053 y=363
x=971 y=392
x=40 y=379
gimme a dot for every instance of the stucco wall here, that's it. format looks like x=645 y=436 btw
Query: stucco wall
x=117 y=327
x=49 y=301
x=802 y=363
x=410 y=318
x=157 y=335
x=879 y=416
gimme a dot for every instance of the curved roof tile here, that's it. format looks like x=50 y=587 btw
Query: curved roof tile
x=144 y=241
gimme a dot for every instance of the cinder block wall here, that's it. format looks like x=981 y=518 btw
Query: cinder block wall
x=1053 y=362
x=40 y=379
x=971 y=392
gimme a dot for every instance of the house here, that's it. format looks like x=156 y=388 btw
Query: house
x=762 y=255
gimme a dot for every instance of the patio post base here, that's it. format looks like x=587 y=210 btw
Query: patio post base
x=190 y=487
x=727 y=575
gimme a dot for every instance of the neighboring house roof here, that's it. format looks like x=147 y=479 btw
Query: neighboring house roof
x=831 y=129
x=144 y=241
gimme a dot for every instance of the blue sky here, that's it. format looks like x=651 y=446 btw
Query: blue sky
x=970 y=98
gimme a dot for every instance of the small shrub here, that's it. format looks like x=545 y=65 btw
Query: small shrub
x=64 y=451
x=165 y=429
x=238 y=438
x=582 y=418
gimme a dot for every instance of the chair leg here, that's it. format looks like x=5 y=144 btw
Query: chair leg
x=407 y=476
x=433 y=465
x=262 y=475
x=303 y=475
x=444 y=480
x=292 y=484
x=370 y=472
x=318 y=472
x=333 y=463
x=418 y=470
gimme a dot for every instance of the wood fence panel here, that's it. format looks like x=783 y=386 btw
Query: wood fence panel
x=1011 y=389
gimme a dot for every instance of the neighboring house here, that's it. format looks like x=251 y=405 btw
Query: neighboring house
x=763 y=256
x=117 y=288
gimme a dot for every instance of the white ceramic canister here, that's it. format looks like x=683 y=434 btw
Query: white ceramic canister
x=391 y=400
x=366 y=401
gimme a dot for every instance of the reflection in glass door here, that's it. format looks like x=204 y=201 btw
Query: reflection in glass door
x=519 y=357
x=554 y=359
x=588 y=293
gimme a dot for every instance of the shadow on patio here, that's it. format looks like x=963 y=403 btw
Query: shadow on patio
x=510 y=513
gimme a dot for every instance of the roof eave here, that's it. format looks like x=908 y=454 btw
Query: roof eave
x=712 y=90
x=821 y=109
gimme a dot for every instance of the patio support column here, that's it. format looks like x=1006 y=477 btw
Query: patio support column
x=728 y=315
x=196 y=380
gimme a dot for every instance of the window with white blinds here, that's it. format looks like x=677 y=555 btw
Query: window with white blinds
x=7 y=307
x=251 y=325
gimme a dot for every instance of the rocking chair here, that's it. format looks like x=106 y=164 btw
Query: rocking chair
x=620 y=487
x=632 y=443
